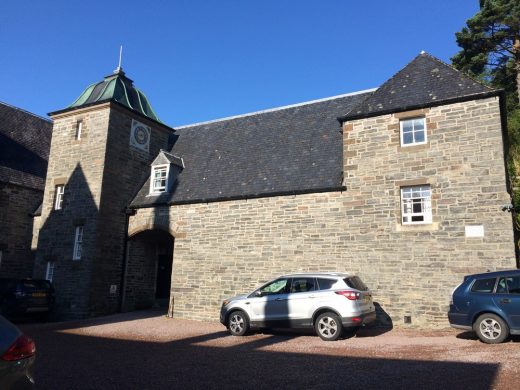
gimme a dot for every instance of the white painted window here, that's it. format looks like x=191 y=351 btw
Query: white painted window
x=416 y=204
x=79 y=129
x=50 y=271
x=413 y=131
x=78 y=243
x=58 y=201
x=159 y=181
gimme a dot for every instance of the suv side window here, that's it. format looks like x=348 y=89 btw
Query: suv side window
x=302 y=285
x=483 y=285
x=326 y=284
x=509 y=285
x=279 y=286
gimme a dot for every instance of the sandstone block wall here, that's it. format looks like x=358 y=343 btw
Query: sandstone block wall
x=101 y=173
x=228 y=248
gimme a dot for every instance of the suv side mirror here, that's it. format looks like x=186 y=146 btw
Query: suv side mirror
x=258 y=293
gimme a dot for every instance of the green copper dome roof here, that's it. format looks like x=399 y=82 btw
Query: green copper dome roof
x=119 y=88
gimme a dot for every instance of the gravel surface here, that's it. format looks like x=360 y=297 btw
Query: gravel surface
x=146 y=350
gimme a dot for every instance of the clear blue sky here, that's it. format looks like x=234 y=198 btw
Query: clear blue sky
x=201 y=60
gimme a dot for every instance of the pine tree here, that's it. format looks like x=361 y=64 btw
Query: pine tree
x=491 y=46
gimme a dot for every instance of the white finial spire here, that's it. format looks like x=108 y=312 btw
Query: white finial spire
x=422 y=51
x=119 y=68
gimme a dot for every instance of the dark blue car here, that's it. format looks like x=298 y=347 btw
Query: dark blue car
x=488 y=304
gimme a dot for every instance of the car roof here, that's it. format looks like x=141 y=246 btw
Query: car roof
x=318 y=274
x=498 y=273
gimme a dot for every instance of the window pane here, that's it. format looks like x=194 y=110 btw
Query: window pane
x=407 y=138
x=407 y=126
x=302 y=285
x=276 y=287
x=483 y=285
x=419 y=136
x=326 y=284
x=418 y=124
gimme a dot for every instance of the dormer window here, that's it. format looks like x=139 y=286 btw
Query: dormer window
x=159 y=182
x=165 y=170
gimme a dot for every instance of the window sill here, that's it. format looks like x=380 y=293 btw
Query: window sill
x=419 y=227
x=414 y=147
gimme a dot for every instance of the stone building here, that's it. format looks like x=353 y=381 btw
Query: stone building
x=24 y=149
x=402 y=185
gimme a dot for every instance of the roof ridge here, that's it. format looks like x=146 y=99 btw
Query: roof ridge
x=27 y=112
x=276 y=109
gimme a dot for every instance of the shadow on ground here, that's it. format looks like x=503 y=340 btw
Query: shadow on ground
x=66 y=360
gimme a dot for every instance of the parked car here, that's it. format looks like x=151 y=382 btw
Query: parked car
x=23 y=296
x=327 y=302
x=16 y=357
x=488 y=304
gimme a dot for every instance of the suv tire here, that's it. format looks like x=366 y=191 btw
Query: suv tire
x=491 y=329
x=238 y=323
x=328 y=326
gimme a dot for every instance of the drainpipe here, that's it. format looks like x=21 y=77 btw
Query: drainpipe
x=128 y=213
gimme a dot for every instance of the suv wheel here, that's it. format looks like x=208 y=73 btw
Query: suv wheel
x=328 y=326
x=238 y=323
x=491 y=329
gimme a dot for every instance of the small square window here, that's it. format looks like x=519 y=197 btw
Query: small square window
x=413 y=131
x=78 y=243
x=416 y=205
x=159 y=182
x=58 y=197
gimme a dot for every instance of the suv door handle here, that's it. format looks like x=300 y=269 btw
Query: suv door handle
x=505 y=300
x=312 y=296
x=279 y=299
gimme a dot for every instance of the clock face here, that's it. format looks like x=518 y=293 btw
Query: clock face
x=141 y=135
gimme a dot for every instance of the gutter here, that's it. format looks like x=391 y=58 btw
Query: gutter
x=239 y=197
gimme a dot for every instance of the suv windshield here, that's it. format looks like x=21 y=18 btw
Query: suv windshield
x=355 y=282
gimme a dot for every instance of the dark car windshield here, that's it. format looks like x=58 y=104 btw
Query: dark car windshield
x=355 y=282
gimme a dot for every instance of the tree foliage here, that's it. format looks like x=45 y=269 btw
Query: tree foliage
x=490 y=45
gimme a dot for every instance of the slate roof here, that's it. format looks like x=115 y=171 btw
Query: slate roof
x=295 y=149
x=24 y=147
x=424 y=82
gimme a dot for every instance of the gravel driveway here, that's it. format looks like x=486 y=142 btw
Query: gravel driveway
x=145 y=350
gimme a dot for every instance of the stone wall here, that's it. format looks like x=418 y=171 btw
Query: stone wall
x=227 y=248
x=101 y=173
x=17 y=203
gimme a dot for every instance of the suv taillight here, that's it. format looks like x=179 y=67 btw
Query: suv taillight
x=352 y=295
x=22 y=348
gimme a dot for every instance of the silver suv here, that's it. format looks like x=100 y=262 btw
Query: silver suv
x=329 y=302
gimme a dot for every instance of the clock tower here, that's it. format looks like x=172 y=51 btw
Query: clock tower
x=101 y=150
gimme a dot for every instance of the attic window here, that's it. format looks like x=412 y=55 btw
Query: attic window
x=159 y=182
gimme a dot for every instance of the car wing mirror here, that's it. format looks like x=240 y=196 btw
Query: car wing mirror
x=258 y=293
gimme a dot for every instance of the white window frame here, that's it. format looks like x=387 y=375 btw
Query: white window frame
x=78 y=243
x=79 y=129
x=58 y=197
x=159 y=189
x=49 y=273
x=423 y=198
x=401 y=125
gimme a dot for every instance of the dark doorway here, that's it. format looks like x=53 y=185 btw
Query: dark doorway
x=148 y=280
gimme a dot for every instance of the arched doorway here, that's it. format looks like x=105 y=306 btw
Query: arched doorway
x=148 y=270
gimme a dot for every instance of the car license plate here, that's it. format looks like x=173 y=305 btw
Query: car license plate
x=367 y=298
x=38 y=294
